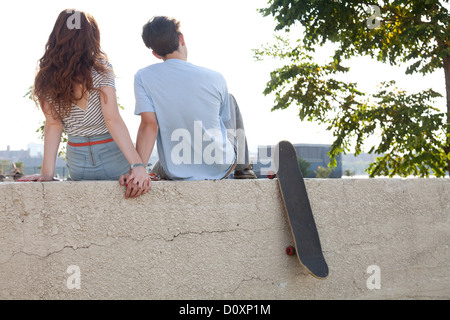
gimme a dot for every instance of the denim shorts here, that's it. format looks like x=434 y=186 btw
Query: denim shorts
x=95 y=162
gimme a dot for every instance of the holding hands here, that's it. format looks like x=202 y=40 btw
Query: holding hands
x=137 y=182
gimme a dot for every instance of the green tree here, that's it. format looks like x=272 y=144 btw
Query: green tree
x=414 y=133
x=5 y=166
x=304 y=166
x=322 y=172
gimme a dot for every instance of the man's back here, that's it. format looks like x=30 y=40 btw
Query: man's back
x=191 y=104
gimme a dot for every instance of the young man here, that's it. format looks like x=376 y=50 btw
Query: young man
x=187 y=108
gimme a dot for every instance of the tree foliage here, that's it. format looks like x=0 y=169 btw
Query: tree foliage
x=414 y=133
x=304 y=166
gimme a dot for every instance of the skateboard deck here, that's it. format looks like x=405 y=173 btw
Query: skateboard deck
x=298 y=210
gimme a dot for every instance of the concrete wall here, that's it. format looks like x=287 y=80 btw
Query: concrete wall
x=222 y=240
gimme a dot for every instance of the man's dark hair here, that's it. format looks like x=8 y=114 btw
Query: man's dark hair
x=161 y=34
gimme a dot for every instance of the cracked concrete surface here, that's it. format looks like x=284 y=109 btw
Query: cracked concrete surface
x=222 y=240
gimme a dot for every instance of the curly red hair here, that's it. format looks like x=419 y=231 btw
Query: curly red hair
x=70 y=54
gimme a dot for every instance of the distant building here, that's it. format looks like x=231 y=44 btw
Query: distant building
x=315 y=154
x=36 y=149
x=32 y=164
x=14 y=156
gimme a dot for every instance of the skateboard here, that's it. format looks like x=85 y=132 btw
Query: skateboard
x=298 y=210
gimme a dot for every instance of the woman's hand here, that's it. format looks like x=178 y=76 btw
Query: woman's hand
x=36 y=177
x=137 y=182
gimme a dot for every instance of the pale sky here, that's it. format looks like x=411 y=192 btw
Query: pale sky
x=219 y=35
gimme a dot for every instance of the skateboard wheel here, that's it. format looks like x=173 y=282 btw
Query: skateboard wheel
x=271 y=175
x=290 y=251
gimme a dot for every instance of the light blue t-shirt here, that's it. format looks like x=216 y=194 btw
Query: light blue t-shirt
x=191 y=104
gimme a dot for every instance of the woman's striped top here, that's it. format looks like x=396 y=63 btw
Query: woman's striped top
x=90 y=122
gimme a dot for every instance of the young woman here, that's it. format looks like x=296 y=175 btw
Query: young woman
x=75 y=89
